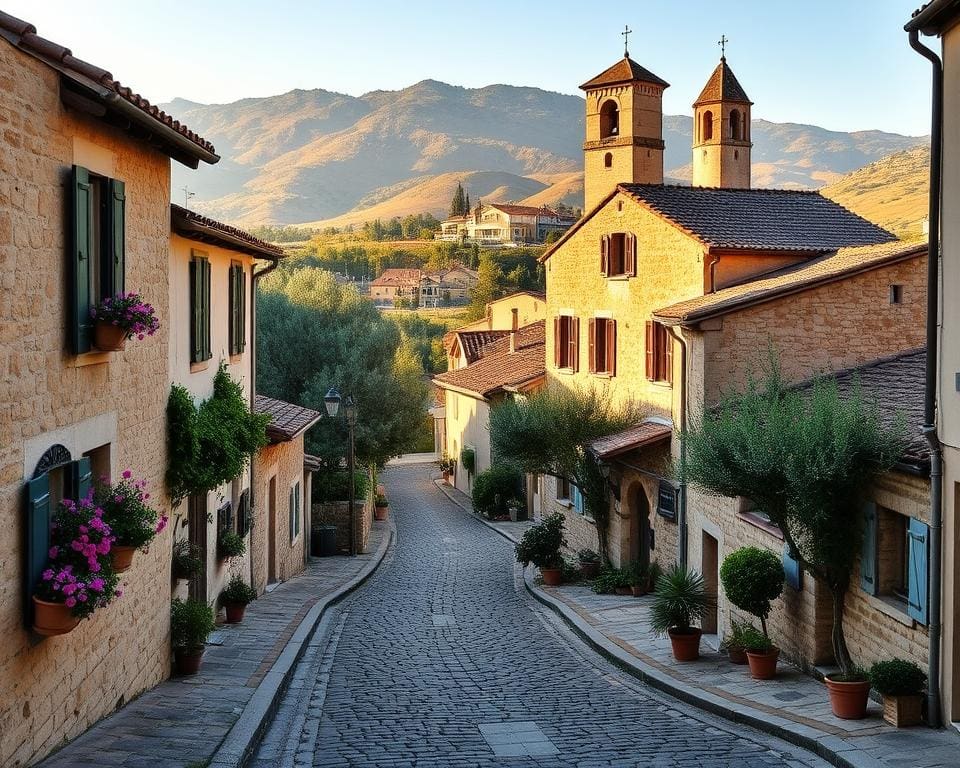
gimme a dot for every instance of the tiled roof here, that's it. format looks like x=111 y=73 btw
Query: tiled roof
x=24 y=36
x=624 y=71
x=896 y=385
x=758 y=219
x=722 y=86
x=823 y=269
x=473 y=342
x=498 y=368
x=630 y=439
x=286 y=419
x=522 y=210
x=194 y=226
x=312 y=463
x=395 y=276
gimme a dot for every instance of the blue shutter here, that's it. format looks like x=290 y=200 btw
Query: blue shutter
x=577 y=498
x=791 y=569
x=81 y=477
x=80 y=255
x=118 y=233
x=917 y=535
x=868 y=552
x=38 y=538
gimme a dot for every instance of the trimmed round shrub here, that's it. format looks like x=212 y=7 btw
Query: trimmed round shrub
x=752 y=578
x=542 y=543
x=897 y=677
x=495 y=488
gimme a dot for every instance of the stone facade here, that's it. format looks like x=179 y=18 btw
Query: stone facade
x=338 y=513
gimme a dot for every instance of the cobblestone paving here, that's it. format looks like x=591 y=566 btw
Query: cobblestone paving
x=442 y=660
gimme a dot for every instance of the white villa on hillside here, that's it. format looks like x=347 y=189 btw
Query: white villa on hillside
x=503 y=224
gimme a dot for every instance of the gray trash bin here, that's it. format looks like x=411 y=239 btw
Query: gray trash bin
x=323 y=541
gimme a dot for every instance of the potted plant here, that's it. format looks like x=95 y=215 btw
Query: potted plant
x=848 y=693
x=541 y=546
x=380 y=507
x=468 y=457
x=191 y=622
x=639 y=578
x=230 y=544
x=134 y=523
x=235 y=598
x=752 y=579
x=901 y=684
x=680 y=600
x=122 y=317
x=187 y=561
x=733 y=643
x=446 y=467
x=589 y=563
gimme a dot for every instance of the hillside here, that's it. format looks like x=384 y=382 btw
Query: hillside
x=893 y=191
x=317 y=156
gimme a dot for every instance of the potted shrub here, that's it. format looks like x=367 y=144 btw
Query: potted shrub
x=235 y=598
x=733 y=643
x=230 y=544
x=611 y=580
x=541 y=546
x=187 y=561
x=589 y=563
x=191 y=622
x=639 y=578
x=752 y=579
x=134 y=522
x=447 y=466
x=901 y=684
x=680 y=600
x=78 y=578
x=848 y=693
x=381 y=507
x=121 y=317
x=468 y=458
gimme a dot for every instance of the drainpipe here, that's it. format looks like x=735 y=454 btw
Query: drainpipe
x=713 y=273
x=682 y=492
x=274 y=263
x=513 y=331
x=934 y=714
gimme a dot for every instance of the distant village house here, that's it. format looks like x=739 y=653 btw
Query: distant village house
x=503 y=224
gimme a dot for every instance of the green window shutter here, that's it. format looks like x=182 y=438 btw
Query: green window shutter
x=233 y=309
x=38 y=538
x=242 y=282
x=918 y=536
x=196 y=304
x=206 y=310
x=81 y=477
x=293 y=515
x=868 y=553
x=118 y=229
x=81 y=252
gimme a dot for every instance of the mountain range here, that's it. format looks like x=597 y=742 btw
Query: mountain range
x=321 y=158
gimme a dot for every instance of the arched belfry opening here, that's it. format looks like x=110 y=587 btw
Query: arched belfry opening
x=609 y=119
x=721 y=146
x=706 y=130
x=736 y=125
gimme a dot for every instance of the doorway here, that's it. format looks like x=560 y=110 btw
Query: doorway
x=710 y=567
x=197 y=524
x=640 y=531
x=272 y=532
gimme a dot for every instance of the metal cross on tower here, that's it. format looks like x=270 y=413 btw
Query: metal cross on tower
x=722 y=42
x=626 y=36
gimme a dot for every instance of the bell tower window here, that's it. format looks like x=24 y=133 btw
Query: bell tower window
x=608 y=160
x=707 y=130
x=736 y=125
x=609 y=119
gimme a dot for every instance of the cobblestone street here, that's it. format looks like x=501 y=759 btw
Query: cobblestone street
x=443 y=660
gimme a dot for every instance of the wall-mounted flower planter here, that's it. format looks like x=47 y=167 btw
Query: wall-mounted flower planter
x=108 y=337
x=122 y=557
x=52 y=618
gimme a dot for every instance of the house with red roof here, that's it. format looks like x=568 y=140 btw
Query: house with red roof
x=505 y=224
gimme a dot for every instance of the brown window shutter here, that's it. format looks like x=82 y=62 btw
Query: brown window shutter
x=630 y=259
x=667 y=356
x=575 y=343
x=651 y=341
x=605 y=255
x=556 y=340
x=592 y=345
x=611 y=342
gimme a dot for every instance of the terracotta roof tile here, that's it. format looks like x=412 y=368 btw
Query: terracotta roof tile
x=722 y=86
x=24 y=36
x=630 y=439
x=758 y=219
x=195 y=226
x=831 y=267
x=522 y=210
x=287 y=420
x=474 y=343
x=624 y=71
x=395 y=276
x=498 y=368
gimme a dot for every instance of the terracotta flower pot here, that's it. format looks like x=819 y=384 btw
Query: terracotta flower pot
x=763 y=664
x=235 y=612
x=52 y=618
x=108 y=337
x=737 y=655
x=552 y=577
x=903 y=711
x=685 y=643
x=589 y=570
x=188 y=660
x=638 y=590
x=848 y=700
x=380 y=513
x=623 y=590
x=122 y=557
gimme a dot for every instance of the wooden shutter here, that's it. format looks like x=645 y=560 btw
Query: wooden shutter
x=205 y=337
x=38 y=538
x=918 y=535
x=630 y=255
x=556 y=341
x=667 y=354
x=292 y=517
x=234 y=311
x=242 y=288
x=651 y=343
x=81 y=476
x=81 y=252
x=196 y=309
x=611 y=347
x=118 y=242
x=605 y=255
x=575 y=343
x=592 y=345
x=868 y=551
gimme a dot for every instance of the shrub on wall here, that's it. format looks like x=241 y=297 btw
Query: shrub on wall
x=468 y=458
x=335 y=485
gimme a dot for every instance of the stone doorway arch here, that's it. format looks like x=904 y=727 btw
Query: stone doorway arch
x=640 y=526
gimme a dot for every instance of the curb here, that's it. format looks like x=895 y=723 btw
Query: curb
x=469 y=510
x=244 y=736
x=833 y=749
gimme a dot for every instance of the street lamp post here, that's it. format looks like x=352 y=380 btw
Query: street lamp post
x=331 y=402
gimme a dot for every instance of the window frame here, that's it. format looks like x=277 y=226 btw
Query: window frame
x=566 y=343
x=618 y=255
x=200 y=347
x=237 y=283
x=295 y=511
x=658 y=353
x=602 y=346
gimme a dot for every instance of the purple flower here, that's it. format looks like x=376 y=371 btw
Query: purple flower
x=47 y=574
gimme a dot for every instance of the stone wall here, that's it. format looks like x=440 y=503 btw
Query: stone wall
x=337 y=513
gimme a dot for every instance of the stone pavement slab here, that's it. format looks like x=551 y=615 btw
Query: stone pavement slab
x=184 y=720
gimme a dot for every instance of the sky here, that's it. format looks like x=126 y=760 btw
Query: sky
x=839 y=64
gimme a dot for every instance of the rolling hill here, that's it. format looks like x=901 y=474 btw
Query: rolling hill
x=317 y=156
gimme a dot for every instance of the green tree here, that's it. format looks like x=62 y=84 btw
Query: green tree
x=458 y=206
x=805 y=458
x=489 y=286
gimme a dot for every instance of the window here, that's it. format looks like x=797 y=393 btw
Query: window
x=608 y=160
x=609 y=119
x=563 y=489
x=659 y=353
x=97 y=251
x=566 y=342
x=602 y=339
x=618 y=255
x=576 y=499
x=736 y=125
x=238 y=309
x=896 y=294
x=294 y=512
x=199 y=308
x=707 y=129
x=893 y=561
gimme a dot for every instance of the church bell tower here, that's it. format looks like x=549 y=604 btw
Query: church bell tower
x=624 y=129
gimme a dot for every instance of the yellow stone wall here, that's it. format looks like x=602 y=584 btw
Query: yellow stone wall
x=722 y=161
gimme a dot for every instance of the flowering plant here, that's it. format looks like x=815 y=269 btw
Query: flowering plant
x=134 y=523
x=79 y=572
x=129 y=312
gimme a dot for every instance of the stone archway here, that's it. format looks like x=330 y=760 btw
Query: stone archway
x=638 y=546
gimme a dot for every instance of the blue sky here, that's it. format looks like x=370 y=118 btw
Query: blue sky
x=841 y=64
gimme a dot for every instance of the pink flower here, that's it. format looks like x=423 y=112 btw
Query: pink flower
x=127 y=474
x=161 y=523
x=70 y=602
x=54 y=551
x=47 y=574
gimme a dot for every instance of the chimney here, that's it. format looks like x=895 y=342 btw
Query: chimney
x=513 y=331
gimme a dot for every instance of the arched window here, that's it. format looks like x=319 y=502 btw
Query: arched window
x=608 y=160
x=609 y=119
x=707 y=130
x=736 y=125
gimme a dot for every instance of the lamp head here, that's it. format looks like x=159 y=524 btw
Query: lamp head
x=331 y=402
